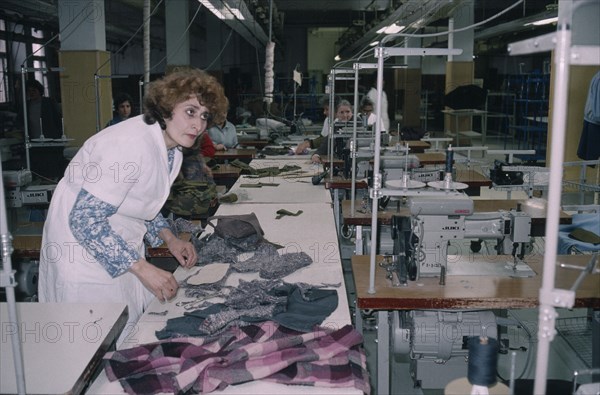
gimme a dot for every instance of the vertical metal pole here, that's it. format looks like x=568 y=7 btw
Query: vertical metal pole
x=147 y=41
x=547 y=313
x=97 y=93
x=331 y=118
x=8 y=274
x=379 y=51
x=353 y=144
x=25 y=118
x=141 y=95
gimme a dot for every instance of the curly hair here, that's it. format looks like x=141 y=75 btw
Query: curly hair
x=164 y=94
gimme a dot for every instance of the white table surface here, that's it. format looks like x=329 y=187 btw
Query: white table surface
x=292 y=188
x=317 y=238
x=60 y=343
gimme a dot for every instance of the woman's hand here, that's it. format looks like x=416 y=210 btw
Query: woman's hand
x=160 y=282
x=220 y=147
x=316 y=158
x=302 y=147
x=207 y=170
x=183 y=251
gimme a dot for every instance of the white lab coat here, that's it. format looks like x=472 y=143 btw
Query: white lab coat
x=125 y=165
x=325 y=128
x=372 y=119
x=372 y=94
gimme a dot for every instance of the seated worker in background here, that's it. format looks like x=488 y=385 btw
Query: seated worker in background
x=315 y=143
x=223 y=135
x=98 y=224
x=366 y=111
x=343 y=113
x=122 y=107
x=44 y=119
x=43 y=114
x=207 y=147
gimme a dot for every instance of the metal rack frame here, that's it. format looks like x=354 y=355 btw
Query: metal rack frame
x=565 y=55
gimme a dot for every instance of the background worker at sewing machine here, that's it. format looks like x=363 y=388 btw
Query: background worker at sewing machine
x=343 y=114
x=368 y=116
x=223 y=136
x=307 y=144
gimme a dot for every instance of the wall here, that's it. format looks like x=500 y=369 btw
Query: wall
x=321 y=51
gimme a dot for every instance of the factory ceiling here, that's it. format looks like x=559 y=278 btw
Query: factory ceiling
x=358 y=20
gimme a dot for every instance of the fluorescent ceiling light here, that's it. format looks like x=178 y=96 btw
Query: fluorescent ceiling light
x=337 y=58
x=225 y=12
x=374 y=43
x=391 y=29
x=542 y=22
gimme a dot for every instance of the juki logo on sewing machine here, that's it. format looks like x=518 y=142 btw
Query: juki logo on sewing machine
x=35 y=194
x=450 y=227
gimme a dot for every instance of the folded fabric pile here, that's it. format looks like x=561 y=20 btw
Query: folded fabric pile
x=267 y=351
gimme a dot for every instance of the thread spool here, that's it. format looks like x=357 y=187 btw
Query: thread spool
x=449 y=159
x=483 y=360
x=27 y=277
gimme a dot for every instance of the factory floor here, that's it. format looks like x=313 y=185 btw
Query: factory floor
x=570 y=350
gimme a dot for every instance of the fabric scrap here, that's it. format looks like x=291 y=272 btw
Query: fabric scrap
x=296 y=306
x=325 y=358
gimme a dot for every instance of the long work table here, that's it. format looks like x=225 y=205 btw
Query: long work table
x=61 y=344
x=307 y=225
x=320 y=243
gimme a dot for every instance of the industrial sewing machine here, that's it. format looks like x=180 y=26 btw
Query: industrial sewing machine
x=420 y=242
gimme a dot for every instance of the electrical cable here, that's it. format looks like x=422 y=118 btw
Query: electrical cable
x=180 y=39
x=130 y=38
x=221 y=52
x=56 y=35
x=228 y=37
x=392 y=36
x=521 y=325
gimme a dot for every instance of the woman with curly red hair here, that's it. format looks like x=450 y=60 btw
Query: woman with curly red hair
x=110 y=197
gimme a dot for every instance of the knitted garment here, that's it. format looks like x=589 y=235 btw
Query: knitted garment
x=264 y=252
x=322 y=358
x=216 y=322
x=282 y=265
x=296 y=306
x=181 y=225
x=214 y=249
x=249 y=294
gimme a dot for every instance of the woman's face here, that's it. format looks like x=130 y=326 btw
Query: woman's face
x=344 y=113
x=124 y=109
x=188 y=121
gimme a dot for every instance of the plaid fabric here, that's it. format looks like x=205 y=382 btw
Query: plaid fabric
x=323 y=358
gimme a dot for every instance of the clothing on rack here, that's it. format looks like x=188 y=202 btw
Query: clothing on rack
x=589 y=142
